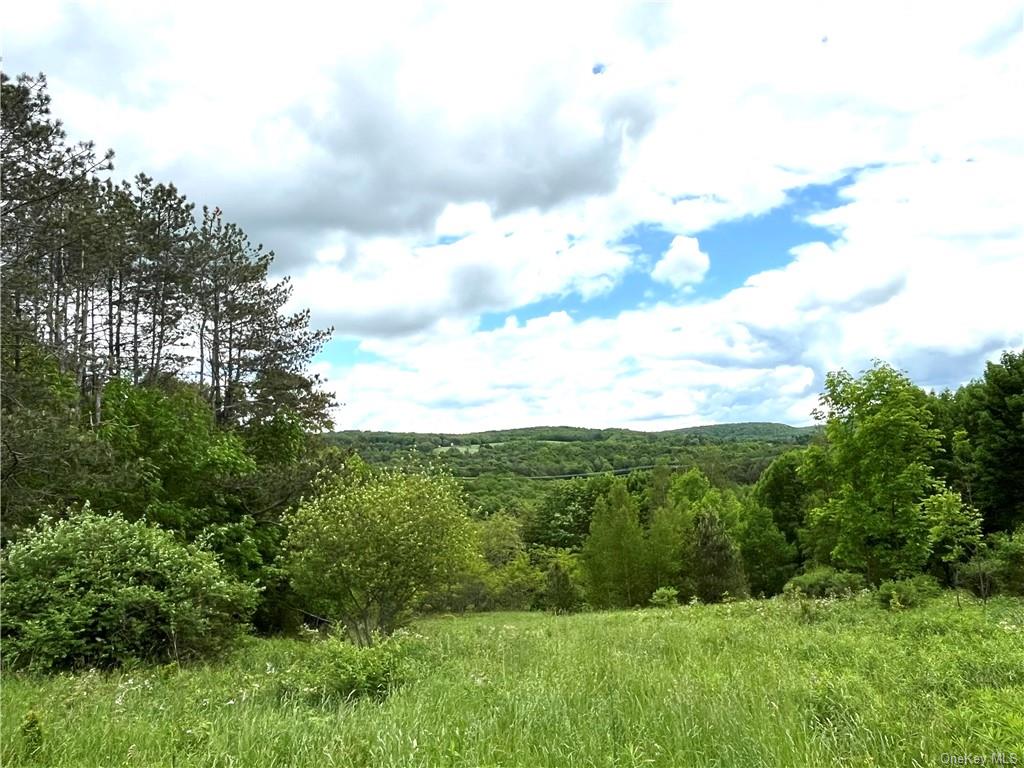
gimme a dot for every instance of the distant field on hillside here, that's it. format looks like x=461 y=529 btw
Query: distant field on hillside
x=757 y=683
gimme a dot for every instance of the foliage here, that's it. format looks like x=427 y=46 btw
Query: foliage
x=991 y=412
x=907 y=593
x=769 y=559
x=668 y=547
x=501 y=539
x=823 y=581
x=613 y=555
x=563 y=518
x=564 y=585
x=1008 y=551
x=367 y=550
x=500 y=468
x=516 y=585
x=955 y=529
x=717 y=564
x=333 y=670
x=94 y=590
x=782 y=490
x=876 y=459
x=181 y=463
x=665 y=597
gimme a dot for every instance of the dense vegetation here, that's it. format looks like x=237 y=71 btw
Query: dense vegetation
x=757 y=683
x=501 y=469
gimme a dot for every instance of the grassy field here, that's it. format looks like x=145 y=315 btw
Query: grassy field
x=756 y=683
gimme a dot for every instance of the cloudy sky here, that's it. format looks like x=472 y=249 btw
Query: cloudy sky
x=648 y=216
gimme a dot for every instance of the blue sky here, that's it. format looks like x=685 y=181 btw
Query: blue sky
x=650 y=216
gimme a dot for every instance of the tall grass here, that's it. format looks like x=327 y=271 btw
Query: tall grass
x=757 y=683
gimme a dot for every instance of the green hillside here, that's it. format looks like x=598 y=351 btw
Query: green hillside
x=509 y=468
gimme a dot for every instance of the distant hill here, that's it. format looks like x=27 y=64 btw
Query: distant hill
x=747 y=430
x=511 y=466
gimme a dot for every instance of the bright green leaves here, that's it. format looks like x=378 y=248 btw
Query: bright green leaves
x=367 y=551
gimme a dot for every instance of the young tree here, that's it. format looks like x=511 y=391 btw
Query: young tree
x=769 y=559
x=563 y=517
x=613 y=555
x=668 y=537
x=717 y=563
x=366 y=550
x=878 y=442
x=955 y=530
x=781 y=489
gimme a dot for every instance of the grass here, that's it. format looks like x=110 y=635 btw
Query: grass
x=758 y=683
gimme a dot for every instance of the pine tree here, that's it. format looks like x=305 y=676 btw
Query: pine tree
x=718 y=566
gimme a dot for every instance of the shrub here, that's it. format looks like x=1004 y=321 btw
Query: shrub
x=825 y=582
x=371 y=548
x=563 y=589
x=907 y=593
x=665 y=597
x=997 y=566
x=1008 y=551
x=333 y=670
x=516 y=585
x=93 y=590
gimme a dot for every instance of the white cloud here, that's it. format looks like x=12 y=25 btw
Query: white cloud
x=684 y=263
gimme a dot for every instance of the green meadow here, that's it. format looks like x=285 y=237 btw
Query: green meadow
x=776 y=682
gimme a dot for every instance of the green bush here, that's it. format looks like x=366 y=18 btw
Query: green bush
x=93 y=590
x=665 y=597
x=907 y=593
x=1008 y=551
x=997 y=567
x=825 y=582
x=333 y=669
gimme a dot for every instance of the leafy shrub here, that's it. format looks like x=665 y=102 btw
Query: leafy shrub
x=516 y=585
x=825 y=582
x=563 y=588
x=372 y=547
x=1008 y=551
x=93 y=590
x=665 y=597
x=333 y=670
x=907 y=593
x=997 y=567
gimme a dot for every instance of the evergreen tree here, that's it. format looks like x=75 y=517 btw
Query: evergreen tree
x=717 y=563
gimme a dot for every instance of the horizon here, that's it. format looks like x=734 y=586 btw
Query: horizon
x=655 y=213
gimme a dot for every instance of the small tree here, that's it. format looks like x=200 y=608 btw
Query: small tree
x=613 y=555
x=562 y=592
x=955 y=530
x=768 y=558
x=718 y=567
x=667 y=546
x=367 y=549
x=875 y=465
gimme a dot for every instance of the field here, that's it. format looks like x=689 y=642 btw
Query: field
x=757 y=683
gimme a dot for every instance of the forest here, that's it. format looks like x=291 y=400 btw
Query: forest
x=172 y=493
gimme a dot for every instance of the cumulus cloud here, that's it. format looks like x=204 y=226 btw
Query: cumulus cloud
x=684 y=263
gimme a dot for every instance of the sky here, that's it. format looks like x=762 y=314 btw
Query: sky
x=600 y=215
